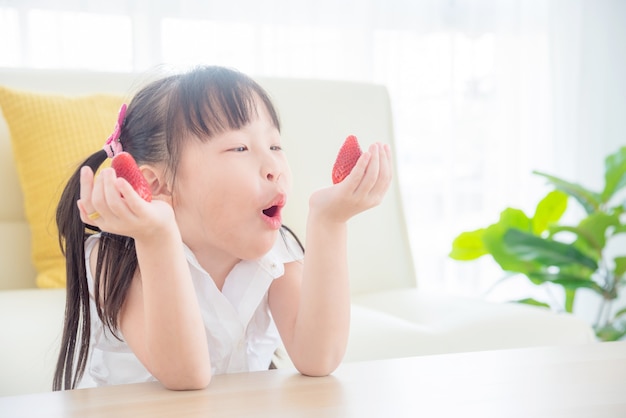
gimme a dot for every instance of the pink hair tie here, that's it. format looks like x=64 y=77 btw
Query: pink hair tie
x=113 y=146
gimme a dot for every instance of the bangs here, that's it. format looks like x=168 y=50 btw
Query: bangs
x=216 y=100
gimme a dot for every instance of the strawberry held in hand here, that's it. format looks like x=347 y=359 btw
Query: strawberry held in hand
x=125 y=166
x=348 y=155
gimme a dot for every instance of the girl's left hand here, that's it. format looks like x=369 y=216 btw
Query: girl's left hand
x=362 y=189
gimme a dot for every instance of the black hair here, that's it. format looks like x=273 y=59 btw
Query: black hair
x=200 y=104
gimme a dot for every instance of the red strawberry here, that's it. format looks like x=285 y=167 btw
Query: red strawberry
x=125 y=166
x=348 y=155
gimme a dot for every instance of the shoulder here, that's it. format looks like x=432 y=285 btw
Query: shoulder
x=92 y=244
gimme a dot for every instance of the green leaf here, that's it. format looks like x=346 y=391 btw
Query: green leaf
x=589 y=200
x=615 y=173
x=584 y=241
x=567 y=281
x=570 y=295
x=533 y=302
x=620 y=266
x=610 y=333
x=547 y=252
x=619 y=313
x=515 y=218
x=620 y=229
x=549 y=210
x=508 y=261
x=510 y=218
x=468 y=246
x=595 y=226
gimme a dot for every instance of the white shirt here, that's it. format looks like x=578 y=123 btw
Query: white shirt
x=240 y=331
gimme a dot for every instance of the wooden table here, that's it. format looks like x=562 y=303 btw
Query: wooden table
x=574 y=381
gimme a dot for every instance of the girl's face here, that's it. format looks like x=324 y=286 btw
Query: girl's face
x=230 y=190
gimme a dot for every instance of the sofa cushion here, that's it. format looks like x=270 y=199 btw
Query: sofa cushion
x=15 y=249
x=32 y=324
x=459 y=324
x=50 y=136
x=376 y=335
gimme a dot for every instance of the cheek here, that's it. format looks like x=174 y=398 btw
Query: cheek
x=191 y=195
x=288 y=178
x=204 y=200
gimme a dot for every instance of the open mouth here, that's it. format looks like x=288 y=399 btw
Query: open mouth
x=272 y=211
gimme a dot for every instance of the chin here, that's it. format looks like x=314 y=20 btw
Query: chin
x=258 y=248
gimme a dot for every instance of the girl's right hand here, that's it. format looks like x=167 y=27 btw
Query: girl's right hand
x=111 y=204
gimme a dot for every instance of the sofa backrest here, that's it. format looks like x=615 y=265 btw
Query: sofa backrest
x=316 y=116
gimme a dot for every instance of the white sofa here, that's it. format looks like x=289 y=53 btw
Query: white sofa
x=390 y=316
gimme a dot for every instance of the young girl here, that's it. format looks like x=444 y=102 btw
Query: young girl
x=203 y=279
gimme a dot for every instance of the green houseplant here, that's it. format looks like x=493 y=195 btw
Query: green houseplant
x=574 y=257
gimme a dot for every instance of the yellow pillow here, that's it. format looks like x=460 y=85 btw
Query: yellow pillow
x=51 y=135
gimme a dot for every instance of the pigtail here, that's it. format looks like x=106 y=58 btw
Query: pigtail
x=72 y=235
x=115 y=267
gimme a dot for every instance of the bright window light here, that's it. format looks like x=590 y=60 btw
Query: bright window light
x=191 y=42
x=10 y=35
x=80 y=40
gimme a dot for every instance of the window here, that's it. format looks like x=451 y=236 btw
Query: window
x=471 y=100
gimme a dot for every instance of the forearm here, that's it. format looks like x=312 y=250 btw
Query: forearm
x=323 y=321
x=314 y=314
x=175 y=340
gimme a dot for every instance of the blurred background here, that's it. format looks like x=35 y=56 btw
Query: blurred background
x=483 y=91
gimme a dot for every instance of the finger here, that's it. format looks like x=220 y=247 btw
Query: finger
x=385 y=172
x=358 y=171
x=371 y=171
x=86 y=184
x=84 y=203
x=133 y=202
x=388 y=162
x=122 y=200
x=84 y=213
x=101 y=195
x=114 y=201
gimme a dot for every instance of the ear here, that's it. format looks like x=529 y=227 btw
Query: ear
x=156 y=181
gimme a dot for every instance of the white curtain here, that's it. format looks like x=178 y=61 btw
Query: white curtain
x=483 y=91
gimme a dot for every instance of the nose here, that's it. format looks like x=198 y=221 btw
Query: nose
x=272 y=175
x=272 y=170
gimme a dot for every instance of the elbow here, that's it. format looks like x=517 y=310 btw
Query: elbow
x=190 y=380
x=316 y=371
x=319 y=367
x=317 y=360
x=188 y=384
